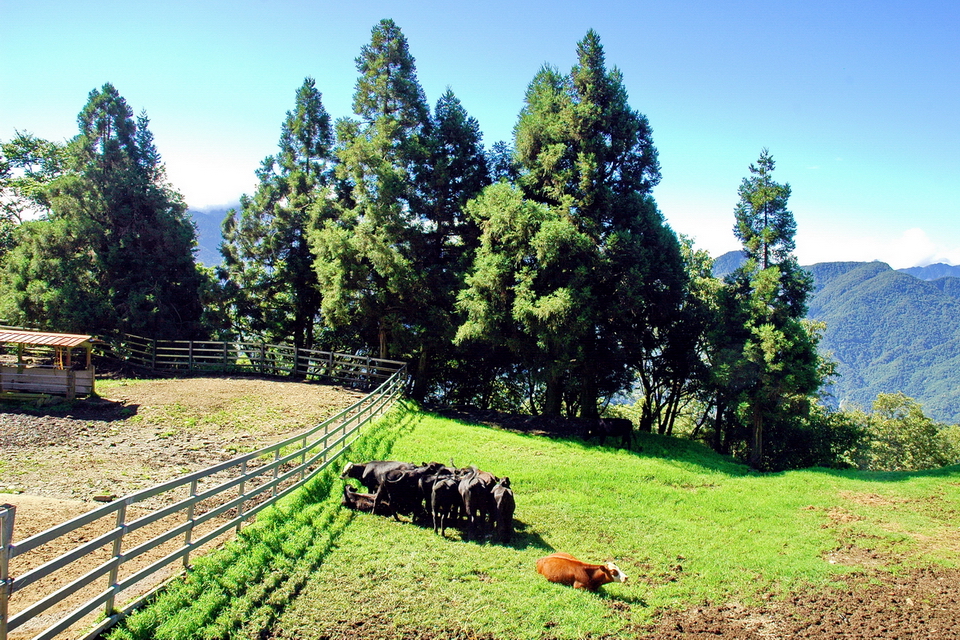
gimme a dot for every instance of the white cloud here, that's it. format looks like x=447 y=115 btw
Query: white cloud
x=911 y=248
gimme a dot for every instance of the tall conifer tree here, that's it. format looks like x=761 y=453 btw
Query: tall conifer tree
x=772 y=365
x=367 y=252
x=268 y=262
x=603 y=273
x=124 y=232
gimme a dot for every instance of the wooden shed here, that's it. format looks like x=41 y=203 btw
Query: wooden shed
x=33 y=362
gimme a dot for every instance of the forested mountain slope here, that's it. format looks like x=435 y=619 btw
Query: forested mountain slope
x=934 y=271
x=888 y=330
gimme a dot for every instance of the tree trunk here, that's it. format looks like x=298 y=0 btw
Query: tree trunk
x=419 y=390
x=718 y=428
x=756 y=444
x=553 y=403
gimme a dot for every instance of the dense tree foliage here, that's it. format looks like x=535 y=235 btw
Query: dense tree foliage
x=899 y=437
x=588 y=278
x=538 y=275
x=115 y=251
x=267 y=265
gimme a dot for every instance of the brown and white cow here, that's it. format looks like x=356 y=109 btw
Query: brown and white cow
x=563 y=568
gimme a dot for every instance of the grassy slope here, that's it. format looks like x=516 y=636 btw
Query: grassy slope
x=686 y=526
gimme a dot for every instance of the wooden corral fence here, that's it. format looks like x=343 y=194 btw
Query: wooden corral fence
x=251 y=357
x=142 y=535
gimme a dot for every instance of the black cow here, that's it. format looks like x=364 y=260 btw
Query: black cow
x=476 y=492
x=503 y=509
x=357 y=501
x=614 y=428
x=403 y=489
x=371 y=474
x=445 y=501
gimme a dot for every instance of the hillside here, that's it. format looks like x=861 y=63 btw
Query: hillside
x=934 y=271
x=888 y=330
x=710 y=549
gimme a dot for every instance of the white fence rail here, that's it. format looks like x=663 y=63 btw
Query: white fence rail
x=148 y=531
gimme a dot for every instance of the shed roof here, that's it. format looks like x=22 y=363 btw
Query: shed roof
x=46 y=339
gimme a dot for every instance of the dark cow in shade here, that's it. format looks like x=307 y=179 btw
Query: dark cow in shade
x=503 y=509
x=445 y=502
x=603 y=428
x=404 y=489
x=476 y=491
x=353 y=499
x=563 y=568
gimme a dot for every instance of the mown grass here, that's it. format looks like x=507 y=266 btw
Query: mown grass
x=686 y=525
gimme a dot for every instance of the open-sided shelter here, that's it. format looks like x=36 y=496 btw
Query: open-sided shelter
x=34 y=362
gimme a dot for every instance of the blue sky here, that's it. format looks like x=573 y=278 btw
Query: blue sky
x=857 y=101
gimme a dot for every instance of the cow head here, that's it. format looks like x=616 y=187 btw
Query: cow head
x=346 y=470
x=615 y=573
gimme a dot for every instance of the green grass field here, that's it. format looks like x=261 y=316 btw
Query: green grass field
x=685 y=525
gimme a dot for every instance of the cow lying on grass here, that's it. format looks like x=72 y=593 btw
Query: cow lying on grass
x=563 y=568
x=353 y=499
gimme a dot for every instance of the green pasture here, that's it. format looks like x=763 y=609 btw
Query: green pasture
x=687 y=527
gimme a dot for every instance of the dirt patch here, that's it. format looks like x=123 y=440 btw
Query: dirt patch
x=143 y=432
x=924 y=603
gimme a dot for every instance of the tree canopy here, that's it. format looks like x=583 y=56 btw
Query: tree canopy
x=115 y=250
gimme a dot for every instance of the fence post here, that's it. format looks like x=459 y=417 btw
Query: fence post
x=243 y=488
x=190 y=362
x=115 y=570
x=7 y=513
x=188 y=534
x=153 y=355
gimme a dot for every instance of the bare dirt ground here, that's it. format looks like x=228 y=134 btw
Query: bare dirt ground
x=56 y=463
x=60 y=462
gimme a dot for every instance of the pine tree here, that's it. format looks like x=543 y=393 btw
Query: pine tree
x=268 y=262
x=367 y=249
x=124 y=231
x=598 y=308
x=764 y=224
x=772 y=365
x=456 y=172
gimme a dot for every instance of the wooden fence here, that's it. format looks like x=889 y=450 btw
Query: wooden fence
x=141 y=535
x=261 y=358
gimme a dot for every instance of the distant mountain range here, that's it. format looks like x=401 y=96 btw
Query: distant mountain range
x=889 y=330
x=208 y=223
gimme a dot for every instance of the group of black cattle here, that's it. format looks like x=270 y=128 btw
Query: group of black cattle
x=434 y=493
